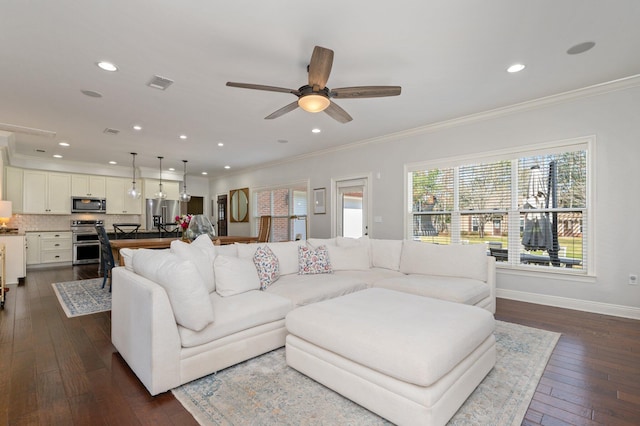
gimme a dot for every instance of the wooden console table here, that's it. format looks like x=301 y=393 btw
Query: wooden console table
x=161 y=243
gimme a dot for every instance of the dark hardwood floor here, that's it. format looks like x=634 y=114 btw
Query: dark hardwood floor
x=56 y=370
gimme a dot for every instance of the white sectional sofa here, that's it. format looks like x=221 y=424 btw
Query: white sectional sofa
x=185 y=312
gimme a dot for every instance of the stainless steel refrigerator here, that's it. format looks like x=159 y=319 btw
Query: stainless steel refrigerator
x=161 y=214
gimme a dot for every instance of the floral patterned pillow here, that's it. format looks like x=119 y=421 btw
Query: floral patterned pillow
x=313 y=261
x=267 y=265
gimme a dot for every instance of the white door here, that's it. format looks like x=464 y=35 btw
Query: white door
x=351 y=203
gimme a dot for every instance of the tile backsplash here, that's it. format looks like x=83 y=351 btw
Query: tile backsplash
x=50 y=222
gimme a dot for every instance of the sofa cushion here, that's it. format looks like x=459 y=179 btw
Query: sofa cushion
x=267 y=266
x=202 y=253
x=126 y=257
x=313 y=260
x=185 y=288
x=363 y=243
x=371 y=275
x=305 y=289
x=350 y=258
x=454 y=289
x=237 y=313
x=317 y=242
x=235 y=275
x=386 y=254
x=453 y=260
x=287 y=254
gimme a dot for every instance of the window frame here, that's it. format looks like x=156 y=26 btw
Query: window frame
x=512 y=215
x=255 y=217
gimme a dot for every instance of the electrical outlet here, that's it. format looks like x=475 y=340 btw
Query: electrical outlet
x=633 y=279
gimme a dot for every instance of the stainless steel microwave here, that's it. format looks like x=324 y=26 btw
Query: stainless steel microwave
x=88 y=205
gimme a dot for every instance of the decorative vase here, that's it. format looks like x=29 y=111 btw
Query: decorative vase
x=199 y=225
x=184 y=234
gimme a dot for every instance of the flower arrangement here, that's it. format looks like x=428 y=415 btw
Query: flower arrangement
x=183 y=221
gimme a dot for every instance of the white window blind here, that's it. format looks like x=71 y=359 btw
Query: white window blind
x=529 y=208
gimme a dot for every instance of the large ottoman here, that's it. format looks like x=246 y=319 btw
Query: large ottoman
x=408 y=358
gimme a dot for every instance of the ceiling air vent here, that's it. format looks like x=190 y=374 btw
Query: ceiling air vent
x=158 y=82
x=111 y=131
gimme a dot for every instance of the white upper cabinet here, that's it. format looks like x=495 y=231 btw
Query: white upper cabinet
x=171 y=188
x=46 y=193
x=88 y=186
x=118 y=202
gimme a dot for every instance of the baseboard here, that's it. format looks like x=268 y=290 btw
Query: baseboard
x=575 y=304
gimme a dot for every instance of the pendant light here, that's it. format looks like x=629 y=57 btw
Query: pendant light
x=160 y=194
x=184 y=195
x=133 y=192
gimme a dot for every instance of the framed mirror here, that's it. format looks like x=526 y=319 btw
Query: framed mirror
x=239 y=205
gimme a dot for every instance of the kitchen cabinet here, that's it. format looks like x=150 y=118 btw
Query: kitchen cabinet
x=171 y=188
x=48 y=247
x=13 y=188
x=118 y=202
x=88 y=186
x=15 y=263
x=46 y=192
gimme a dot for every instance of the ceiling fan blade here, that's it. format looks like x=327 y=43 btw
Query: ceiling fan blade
x=262 y=87
x=320 y=67
x=337 y=113
x=282 y=111
x=365 y=92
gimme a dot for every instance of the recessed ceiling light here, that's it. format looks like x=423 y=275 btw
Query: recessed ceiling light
x=107 y=66
x=316 y=130
x=57 y=156
x=227 y=167
x=183 y=137
x=113 y=162
x=220 y=144
x=171 y=169
x=515 y=68
x=65 y=144
x=580 y=48
x=205 y=173
x=91 y=93
x=137 y=127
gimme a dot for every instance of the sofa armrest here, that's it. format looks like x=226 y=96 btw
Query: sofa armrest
x=144 y=330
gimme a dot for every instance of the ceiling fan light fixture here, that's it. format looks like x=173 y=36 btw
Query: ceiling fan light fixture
x=313 y=103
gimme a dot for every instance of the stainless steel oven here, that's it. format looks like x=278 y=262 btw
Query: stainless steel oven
x=86 y=245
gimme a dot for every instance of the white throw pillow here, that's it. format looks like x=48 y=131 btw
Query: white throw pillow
x=227 y=250
x=185 y=289
x=450 y=260
x=202 y=253
x=317 y=242
x=246 y=251
x=287 y=254
x=386 y=254
x=126 y=257
x=235 y=275
x=355 y=258
x=362 y=242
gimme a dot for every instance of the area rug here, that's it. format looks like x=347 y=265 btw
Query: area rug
x=83 y=297
x=265 y=391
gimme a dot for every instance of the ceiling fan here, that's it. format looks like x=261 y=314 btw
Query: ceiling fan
x=316 y=96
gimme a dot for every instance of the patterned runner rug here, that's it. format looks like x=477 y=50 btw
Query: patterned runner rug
x=83 y=297
x=265 y=391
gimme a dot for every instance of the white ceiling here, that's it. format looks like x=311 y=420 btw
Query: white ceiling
x=449 y=57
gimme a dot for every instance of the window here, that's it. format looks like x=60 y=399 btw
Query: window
x=288 y=208
x=529 y=208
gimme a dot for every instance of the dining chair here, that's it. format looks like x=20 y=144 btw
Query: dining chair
x=264 y=229
x=107 y=263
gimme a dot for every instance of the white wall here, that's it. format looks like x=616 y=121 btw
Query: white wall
x=608 y=112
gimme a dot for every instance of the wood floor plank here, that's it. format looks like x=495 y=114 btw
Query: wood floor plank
x=59 y=370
